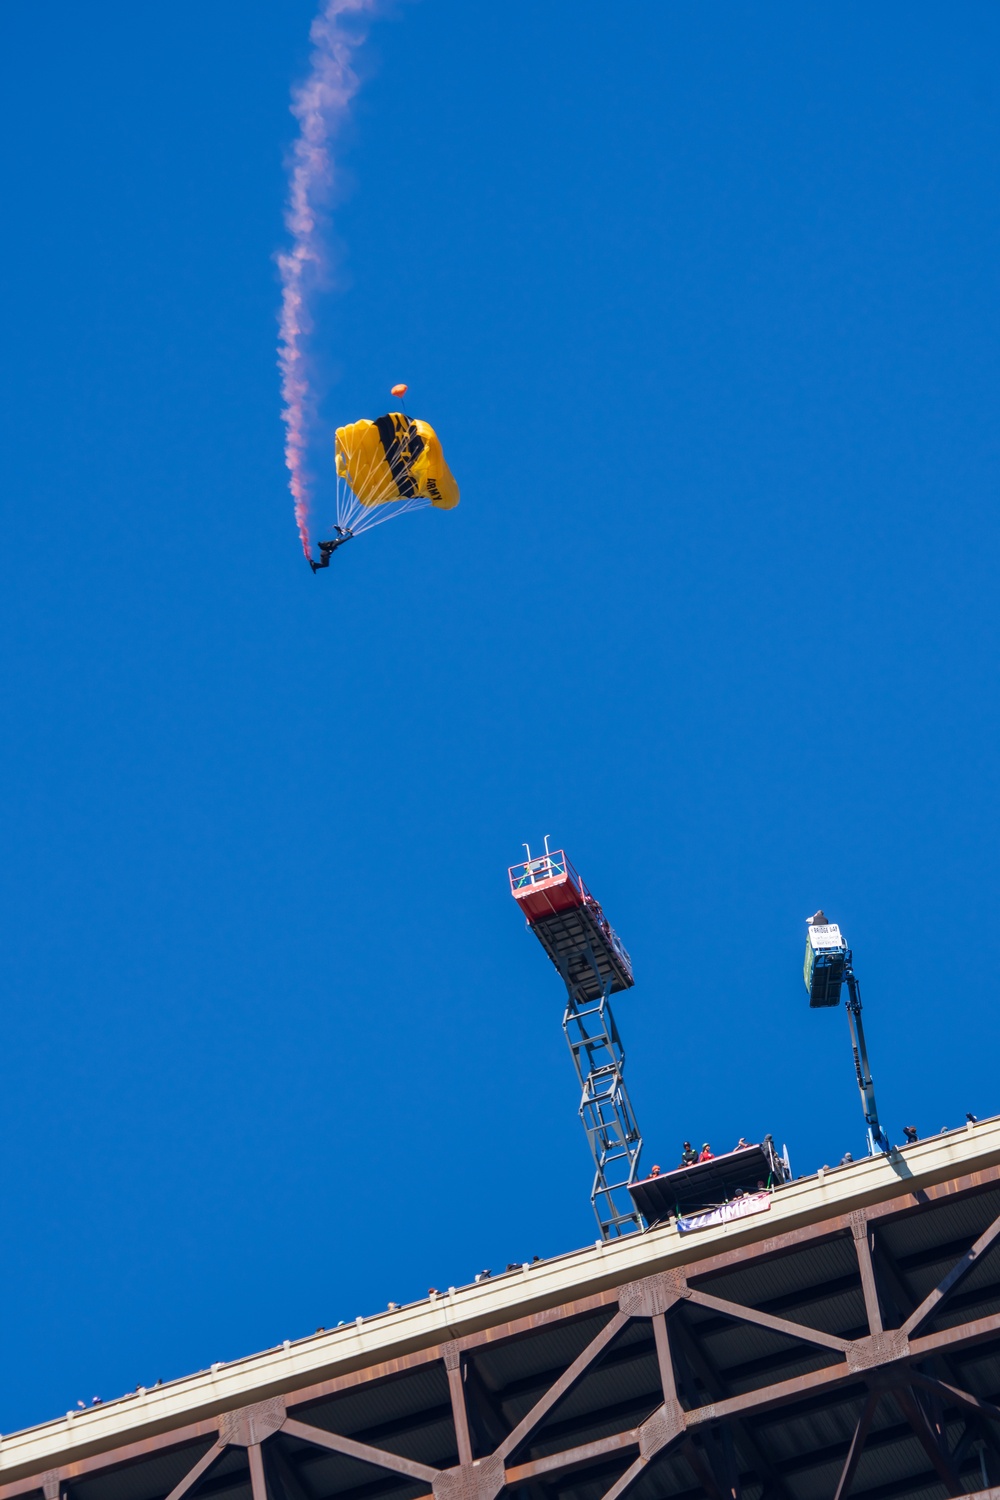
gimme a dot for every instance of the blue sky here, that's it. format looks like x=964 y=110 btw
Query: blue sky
x=703 y=302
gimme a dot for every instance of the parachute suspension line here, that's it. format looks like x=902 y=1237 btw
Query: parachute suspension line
x=390 y=511
x=350 y=511
x=380 y=497
x=383 y=497
x=387 y=468
x=353 y=516
x=351 y=507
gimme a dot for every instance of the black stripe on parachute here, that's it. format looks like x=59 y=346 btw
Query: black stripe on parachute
x=402 y=446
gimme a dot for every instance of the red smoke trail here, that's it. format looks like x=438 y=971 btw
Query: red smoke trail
x=319 y=105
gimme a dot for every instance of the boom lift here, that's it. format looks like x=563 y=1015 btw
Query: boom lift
x=593 y=964
x=829 y=965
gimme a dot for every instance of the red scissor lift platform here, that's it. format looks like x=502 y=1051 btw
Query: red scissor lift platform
x=592 y=963
x=570 y=925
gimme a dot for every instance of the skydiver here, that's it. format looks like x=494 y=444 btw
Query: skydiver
x=327 y=549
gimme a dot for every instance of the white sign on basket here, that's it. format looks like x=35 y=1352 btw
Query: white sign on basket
x=740 y=1208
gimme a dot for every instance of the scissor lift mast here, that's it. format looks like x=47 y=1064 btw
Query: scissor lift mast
x=593 y=964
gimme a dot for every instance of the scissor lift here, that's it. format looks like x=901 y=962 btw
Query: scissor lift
x=593 y=964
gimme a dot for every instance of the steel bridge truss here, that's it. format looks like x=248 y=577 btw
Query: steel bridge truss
x=715 y=1436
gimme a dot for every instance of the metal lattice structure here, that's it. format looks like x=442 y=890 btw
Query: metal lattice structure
x=592 y=963
x=844 y=1344
x=605 y=1109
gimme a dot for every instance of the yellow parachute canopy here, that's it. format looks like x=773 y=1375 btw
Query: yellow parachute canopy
x=394 y=458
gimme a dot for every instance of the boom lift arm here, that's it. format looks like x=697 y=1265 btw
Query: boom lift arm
x=829 y=965
x=877 y=1138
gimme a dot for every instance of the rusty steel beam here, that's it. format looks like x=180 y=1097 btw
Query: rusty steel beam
x=702 y=1365
x=862 y=1246
x=961 y=1268
x=573 y=1457
x=115 y=1458
x=562 y=1386
x=898 y=1293
x=732 y=1468
x=664 y=1360
x=561 y=1432
x=721 y=1481
x=403 y=1364
x=955 y=1338
x=195 y=1473
x=382 y=1485
x=258 y=1482
x=901 y=1294
x=698 y=1463
x=760 y=1400
x=381 y=1458
x=954 y=1394
x=932 y=1405
x=929 y=1440
x=800 y=1299
x=289 y=1481
x=501 y=1333
x=403 y=1427
x=529 y=1387
x=623 y=1482
x=970 y=1435
x=768 y=1396
x=460 y=1416
x=728 y=1463
x=784 y=1391
x=484 y=1406
x=767 y=1320
x=899 y=1206
x=857 y=1445
x=531 y=1322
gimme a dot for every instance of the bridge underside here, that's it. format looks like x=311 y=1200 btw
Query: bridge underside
x=859 y=1356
